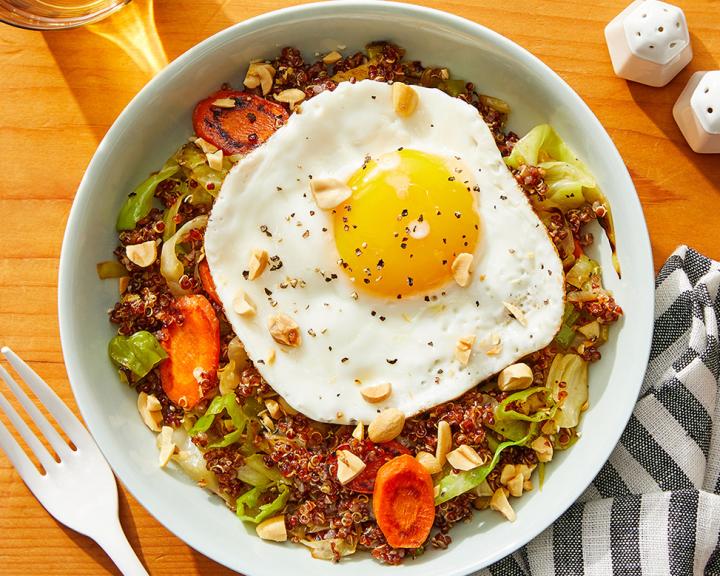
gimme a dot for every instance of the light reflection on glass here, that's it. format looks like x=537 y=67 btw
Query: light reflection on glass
x=133 y=30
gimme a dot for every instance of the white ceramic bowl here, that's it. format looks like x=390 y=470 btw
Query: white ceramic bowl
x=157 y=121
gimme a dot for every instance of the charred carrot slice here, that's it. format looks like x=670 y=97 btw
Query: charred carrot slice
x=191 y=346
x=240 y=128
x=207 y=281
x=578 y=251
x=403 y=502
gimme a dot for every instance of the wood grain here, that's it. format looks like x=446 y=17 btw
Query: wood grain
x=59 y=93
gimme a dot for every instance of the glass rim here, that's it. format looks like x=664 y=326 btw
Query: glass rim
x=28 y=21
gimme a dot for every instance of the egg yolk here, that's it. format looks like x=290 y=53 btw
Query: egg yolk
x=410 y=214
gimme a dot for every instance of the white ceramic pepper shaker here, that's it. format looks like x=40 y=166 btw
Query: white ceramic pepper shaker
x=697 y=112
x=649 y=42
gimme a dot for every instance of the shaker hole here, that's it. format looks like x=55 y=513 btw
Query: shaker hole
x=710 y=110
x=661 y=29
x=673 y=44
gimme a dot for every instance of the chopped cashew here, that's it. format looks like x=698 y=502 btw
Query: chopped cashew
x=386 y=426
x=123 y=283
x=444 y=441
x=429 y=462
x=205 y=146
x=272 y=529
x=142 y=254
x=500 y=503
x=224 y=103
x=292 y=96
x=492 y=346
x=543 y=448
x=260 y=74
x=464 y=458
x=483 y=489
x=550 y=427
x=349 y=466
x=273 y=408
x=332 y=57
x=258 y=262
x=150 y=411
x=481 y=502
x=329 y=193
x=515 y=377
x=268 y=423
x=463 y=349
x=461 y=268
x=243 y=305
x=515 y=477
x=215 y=160
x=377 y=392
x=284 y=330
x=516 y=313
x=359 y=432
x=515 y=486
x=166 y=445
x=526 y=470
x=508 y=472
x=404 y=99
x=289 y=410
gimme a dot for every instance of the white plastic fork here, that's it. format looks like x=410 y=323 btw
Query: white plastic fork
x=80 y=490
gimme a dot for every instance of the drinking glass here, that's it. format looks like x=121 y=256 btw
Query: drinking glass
x=56 y=14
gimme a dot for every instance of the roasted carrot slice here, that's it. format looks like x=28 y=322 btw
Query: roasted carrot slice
x=240 y=128
x=207 y=281
x=191 y=346
x=578 y=249
x=403 y=502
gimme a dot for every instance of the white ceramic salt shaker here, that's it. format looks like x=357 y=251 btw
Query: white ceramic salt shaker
x=697 y=112
x=649 y=42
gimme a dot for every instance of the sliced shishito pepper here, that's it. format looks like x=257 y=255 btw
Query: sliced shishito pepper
x=191 y=347
x=403 y=502
x=240 y=128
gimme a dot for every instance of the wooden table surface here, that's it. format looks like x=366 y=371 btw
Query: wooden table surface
x=60 y=91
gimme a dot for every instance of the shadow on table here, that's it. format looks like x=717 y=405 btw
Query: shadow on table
x=98 y=555
x=107 y=63
x=648 y=98
x=204 y=565
x=181 y=29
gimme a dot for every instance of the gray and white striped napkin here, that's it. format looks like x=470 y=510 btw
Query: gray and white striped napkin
x=654 y=508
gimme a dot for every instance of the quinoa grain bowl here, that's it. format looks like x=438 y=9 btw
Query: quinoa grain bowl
x=396 y=487
x=366 y=308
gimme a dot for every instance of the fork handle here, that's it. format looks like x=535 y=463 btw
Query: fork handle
x=112 y=539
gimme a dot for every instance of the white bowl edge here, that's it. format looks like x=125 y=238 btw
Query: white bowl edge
x=127 y=445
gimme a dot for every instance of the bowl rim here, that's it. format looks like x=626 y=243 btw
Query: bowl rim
x=337 y=8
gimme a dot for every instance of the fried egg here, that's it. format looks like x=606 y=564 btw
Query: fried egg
x=374 y=288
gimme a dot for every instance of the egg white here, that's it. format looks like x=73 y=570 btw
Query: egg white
x=265 y=203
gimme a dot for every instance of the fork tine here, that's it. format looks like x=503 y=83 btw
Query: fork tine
x=56 y=441
x=31 y=440
x=19 y=459
x=47 y=396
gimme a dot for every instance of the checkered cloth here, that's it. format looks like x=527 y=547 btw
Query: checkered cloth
x=654 y=508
